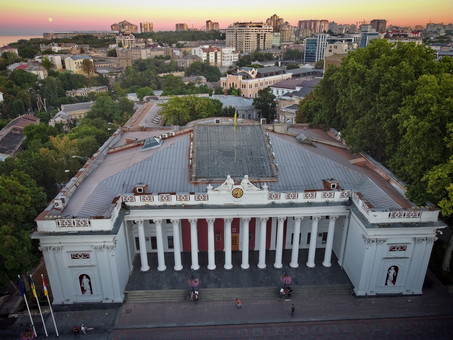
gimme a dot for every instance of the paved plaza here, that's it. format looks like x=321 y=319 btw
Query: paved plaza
x=342 y=316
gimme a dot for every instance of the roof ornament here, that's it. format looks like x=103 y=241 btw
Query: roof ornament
x=227 y=185
x=247 y=185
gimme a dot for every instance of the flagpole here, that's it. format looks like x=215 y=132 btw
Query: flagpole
x=22 y=291
x=33 y=289
x=46 y=293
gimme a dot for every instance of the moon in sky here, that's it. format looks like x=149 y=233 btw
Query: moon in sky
x=50 y=19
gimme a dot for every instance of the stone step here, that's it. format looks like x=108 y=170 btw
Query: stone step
x=226 y=294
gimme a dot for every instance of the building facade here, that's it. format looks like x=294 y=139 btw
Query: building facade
x=379 y=25
x=285 y=195
x=249 y=36
x=251 y=80
x=315 y=47
x=124 y=26
x=210 y=25
x=146 y=27
x=181 y=27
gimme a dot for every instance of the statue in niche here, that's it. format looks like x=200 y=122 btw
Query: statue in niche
x=85 y=284
x=392 y=274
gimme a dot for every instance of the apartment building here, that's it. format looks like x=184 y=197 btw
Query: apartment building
x=125 y=40
x=217 y=56
x=210 y=25
x=250 y=80
x=379 y=25
x=311 y=27
x=146 y=27
x=315 y=47
x=249 y=36
x=367 y=33
x=124 y=26
x=181 y=27
x=75 y=63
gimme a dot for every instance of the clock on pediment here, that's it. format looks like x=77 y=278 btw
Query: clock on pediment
x=237 y=192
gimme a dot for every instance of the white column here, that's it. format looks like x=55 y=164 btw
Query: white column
x=313 y=238
x=262 y=254
x=279 y=245
x=296 y=238
x=211 y=254
x=227 y=242
x=194 y=244
x=176 y=244
x=142 y=243
x=160 y=246
x=329 y=242
x=245 y=243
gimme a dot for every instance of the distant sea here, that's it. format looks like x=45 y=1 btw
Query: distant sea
x=8 y=39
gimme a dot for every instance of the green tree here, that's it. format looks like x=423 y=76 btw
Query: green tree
x=88 y=67
x=105 y=108
x=181 y=110
x=46 y=63
x=198 y=68
x=144 y=91
x=265 y=103
x=293 y=54
x=424 y=119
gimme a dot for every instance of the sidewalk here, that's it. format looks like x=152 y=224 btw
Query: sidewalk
x=271 y=311
x=106 y=319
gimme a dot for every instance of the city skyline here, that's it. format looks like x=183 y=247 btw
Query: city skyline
x=34 y=18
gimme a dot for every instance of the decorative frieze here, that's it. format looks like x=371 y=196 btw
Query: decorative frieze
x=164 y=198
x=80 y=256
x=309 y=195
x=56 y=249
x=110 y=247
x=128 y=198
x=73 y=222
x=370 y=241
x=328 y=194
x=405 y=214
x=345 y=194
x=182 y=197
x=291 y=195
x=272 y=196
x=397 y=247
x=428 y=240
x=201 y=197
x=146 y=198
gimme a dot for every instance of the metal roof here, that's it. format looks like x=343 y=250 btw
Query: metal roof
x=166 y=169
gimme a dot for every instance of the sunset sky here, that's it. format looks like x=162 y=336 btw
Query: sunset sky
x=30 y=17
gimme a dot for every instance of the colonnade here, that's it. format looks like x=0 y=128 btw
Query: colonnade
x=245 y=243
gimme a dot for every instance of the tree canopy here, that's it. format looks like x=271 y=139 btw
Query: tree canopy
x=393 y=101
x=265 y=103
x=183 y=109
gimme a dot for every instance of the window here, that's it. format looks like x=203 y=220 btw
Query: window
x=170 y=242
x=292 y=238
x=218 y=237
x=324 y=237
x=153 y=242
x=137 y=243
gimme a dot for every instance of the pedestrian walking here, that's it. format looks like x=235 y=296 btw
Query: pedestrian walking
x=293 y=309
x=238 y=303
x=83 y=328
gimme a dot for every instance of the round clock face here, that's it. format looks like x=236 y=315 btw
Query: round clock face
x=237 y=192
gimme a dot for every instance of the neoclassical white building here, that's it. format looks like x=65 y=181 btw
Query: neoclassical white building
x=215 y=189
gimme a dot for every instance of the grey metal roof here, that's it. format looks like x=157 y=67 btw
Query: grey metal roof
x=166 y=170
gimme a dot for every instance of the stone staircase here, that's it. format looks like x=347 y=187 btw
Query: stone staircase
x=228 y=294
